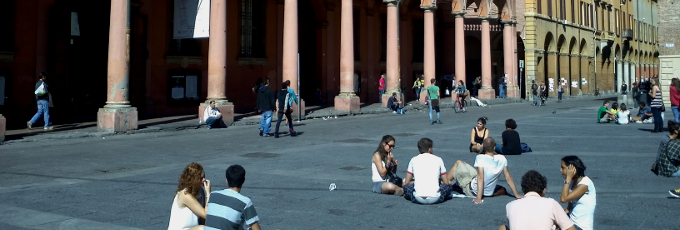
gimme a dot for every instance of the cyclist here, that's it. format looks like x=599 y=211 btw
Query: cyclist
x=460 y=92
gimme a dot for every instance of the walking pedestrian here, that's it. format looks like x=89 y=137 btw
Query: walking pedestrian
x=534 y=91
x=501 y=86
x=381 y=86
x=417 y=86
x=657 y=103
x=544 y=93
x=265 y=105
x=286 y=97
x=675 y=98
x=560 y=91
x=44 y=100
x=433 y=94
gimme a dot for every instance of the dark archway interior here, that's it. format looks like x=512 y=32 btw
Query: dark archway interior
x=473 y=59
x=307 y=26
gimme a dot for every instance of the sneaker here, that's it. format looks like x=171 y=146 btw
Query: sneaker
x=209 y=127
x=49 y=128
x=394 y=111
x=399 y=193
x=293 y=134
x=276 y=136
x=439 y=122
x=675 y=193
x=30 y=126
x=265 y=135
x=261 y=132
x=431 y=123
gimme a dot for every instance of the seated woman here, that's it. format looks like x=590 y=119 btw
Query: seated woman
x=478 y=135
x=623 y=115
x=579 y=191
x=615 y=108
x=384 y=169
x=185 y=207
x=511 y=143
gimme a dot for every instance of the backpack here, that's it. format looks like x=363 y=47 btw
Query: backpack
x=525 y=147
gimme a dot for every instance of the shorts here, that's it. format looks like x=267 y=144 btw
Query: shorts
x=464 y=174
x=604 y=119
x=376 y=186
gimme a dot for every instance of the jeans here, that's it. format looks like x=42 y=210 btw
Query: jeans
x=444 y=193
x=559 y=95
x=657 y=117
x=436 y=108
x=676 y=113
x=280 y=117
x=418 y=93
x=676 y=174
x=501 y=91
x=382 y=91
x=499 y=148
x=43 y=110
x=266 y=122
x=394 y=107
x=535 y=100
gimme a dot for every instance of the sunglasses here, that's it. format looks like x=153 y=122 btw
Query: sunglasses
x=391 y=146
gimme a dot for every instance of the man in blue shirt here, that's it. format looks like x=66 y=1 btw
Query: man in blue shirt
x=645 y=113
x=393 y=103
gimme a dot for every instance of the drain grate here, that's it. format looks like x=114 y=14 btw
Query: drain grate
x=261 y=155
x=352 y=168
x=404 y=134
x=355 y=140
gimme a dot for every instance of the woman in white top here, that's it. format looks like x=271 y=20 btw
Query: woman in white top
x=579 y=191
x=383 y=167
x=185 y=207
x=623 y=115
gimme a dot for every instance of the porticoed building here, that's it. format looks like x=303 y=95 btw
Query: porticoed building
x=589 y=45
x=169 y=57
x=669 y=44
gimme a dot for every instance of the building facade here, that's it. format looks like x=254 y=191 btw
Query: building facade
x=669 y=39
x=589 y=45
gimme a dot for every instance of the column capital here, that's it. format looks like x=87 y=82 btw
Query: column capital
x=485 y=19
x=391 y=2
x=458 y=13
x=509 y=22
x=430 y=8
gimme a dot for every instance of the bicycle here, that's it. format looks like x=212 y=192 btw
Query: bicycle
x=461 y=104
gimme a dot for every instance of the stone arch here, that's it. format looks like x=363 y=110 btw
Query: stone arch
x=617 y=51
x=549 y=43
x=506 y=11
x=572 y=45
x=583 y=48
x=561 y=44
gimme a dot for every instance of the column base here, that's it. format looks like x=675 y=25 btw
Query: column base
x=117 y=119
x=487 y=93
x=225 y=107
x=3 y=127
x=513 y=91
x=347 y=103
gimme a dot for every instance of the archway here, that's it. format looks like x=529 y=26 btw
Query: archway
x=572 y=84
x=548 y=47
x=310 y=79
x=473 y=59
x=618 y=70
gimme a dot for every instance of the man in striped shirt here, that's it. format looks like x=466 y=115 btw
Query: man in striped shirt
x=228 y=209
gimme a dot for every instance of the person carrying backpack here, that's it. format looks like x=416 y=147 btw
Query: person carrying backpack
x=534 y=90
x=285 y=97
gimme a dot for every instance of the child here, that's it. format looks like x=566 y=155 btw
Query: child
x=615 y=108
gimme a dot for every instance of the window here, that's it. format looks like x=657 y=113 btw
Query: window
x=7 y=25
x=583 y=14
x=573 y=12
x=357 y=35
x=539 y=6
x=616 y=14
x=563 y=10
x=550 y=8
x=252 y=28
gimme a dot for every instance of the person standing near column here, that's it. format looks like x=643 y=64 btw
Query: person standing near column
x=381 y=86
x=501 y=86
x=433 y=94
x=476 y=85
x=42 y=96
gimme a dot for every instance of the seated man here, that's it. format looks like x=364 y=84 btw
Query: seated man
x=604 y=115
x=228 y=209
x=644 y=114
x=212 y=116
x=432 y=185
x=668 y=163
x=490 y=166
x=393 y=103
x=535 y=212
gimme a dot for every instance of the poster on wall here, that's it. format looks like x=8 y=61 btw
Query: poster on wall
x=551 y=84
x=75 y=27
x=191 y=19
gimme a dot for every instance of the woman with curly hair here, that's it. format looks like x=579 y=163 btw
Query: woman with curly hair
x=185 y=207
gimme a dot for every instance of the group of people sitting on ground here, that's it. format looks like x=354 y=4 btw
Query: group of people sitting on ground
x=510 y=138
x=428 y=182
x=193 y=208
x=621 y=115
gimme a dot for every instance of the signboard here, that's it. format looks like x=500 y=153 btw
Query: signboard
x=75 y=27
x=192 y=19
x=521 y=63
x=670 y=45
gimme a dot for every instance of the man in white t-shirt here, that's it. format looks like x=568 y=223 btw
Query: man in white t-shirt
x=488 y=164
x=432 y=185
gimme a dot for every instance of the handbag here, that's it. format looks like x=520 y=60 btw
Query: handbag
x=525 y=147
x=435 y=102
x=41 y=90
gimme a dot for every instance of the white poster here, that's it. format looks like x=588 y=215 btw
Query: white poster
x=192 y=86
x=551 y=84
x=75 y=27
x=192 y=19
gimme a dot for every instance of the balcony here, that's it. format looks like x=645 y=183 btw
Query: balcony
x=628 y=34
